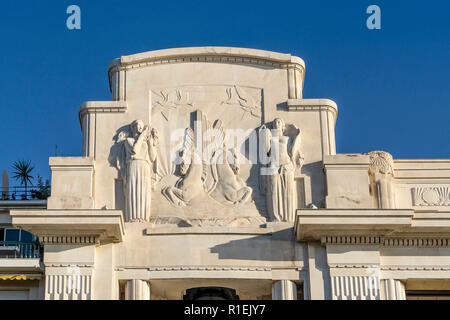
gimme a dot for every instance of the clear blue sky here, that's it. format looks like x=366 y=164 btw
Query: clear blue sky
x=391 y=85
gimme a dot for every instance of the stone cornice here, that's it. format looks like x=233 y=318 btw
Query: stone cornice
x=384 y=227
x=418 y=242
x=313 y=105
x=219 y=54
x=74 y=163
x=231 y=55
x=357 y=239
x=313 y=224
x=210 y=268
x=415 y=268
x=101 y=107
x=209 y=271
x=71 y=226
x=69 y=239
x=422 y=170
x=346 y=161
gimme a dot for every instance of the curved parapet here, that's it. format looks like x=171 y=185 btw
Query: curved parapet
x=228 y=55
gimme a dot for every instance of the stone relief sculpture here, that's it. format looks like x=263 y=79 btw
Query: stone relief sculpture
x=277 y=175
x=431 y=196
x=237 y=95
x=228 y=183
x=190 y=184
x=134 y=164
x=207 y=170
x=169 y=100
x=381 y=169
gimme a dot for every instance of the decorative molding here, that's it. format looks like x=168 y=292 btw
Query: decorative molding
x=171 y=230
x=294 y=66
x=208 y=268
x=386 y=242
x=352 y=266
x=431 y=196
x=417 y=170
x=69 y=239
x=367 y=240
x=120 y=64
x=211 y=222
x=68 y=287
x=381 y=162
x=415 y=268
x=68 y=265
x=101 y=107
x=416 y=242
x=355 y=288
x=313 y=105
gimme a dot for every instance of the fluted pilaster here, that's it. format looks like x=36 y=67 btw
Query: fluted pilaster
x=137 y=290
x=284 y=290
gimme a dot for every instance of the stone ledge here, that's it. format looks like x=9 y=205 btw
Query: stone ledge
x=207 y=230
x=210 y=272
x=67 y=224
x=390 y=227
x=166 y=55
x=313 y=105
x=423 y=170
x=314 y=224
x=77 y=162
x=20 y=265
x=101 y=107
x=346 y=161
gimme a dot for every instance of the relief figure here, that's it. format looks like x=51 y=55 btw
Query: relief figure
x=190 y=185
x=139 y=148
x=278 y=175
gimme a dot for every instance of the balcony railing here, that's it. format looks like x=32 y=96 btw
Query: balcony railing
x=17 y=249
x=19 y=193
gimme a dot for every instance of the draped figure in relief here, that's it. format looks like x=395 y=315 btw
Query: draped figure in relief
x=277 y=176
x=210 y=170
x=139 y=153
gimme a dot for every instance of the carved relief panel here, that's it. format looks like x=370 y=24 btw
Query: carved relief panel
x=431 y=196
x=205 y=166
x=208 y=155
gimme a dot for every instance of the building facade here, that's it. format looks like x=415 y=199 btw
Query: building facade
x=209 y=176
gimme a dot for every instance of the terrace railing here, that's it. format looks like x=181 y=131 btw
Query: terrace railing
x=19 y=193
x=17 y=249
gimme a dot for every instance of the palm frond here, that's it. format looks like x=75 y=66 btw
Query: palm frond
x=22 y=171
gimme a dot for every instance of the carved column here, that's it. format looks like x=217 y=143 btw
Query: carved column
x=284 y=290
x=381 y=170
x=137 y=290
x=392 y=289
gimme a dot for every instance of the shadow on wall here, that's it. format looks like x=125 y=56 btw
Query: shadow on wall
x=314 y=171
x=115 y=153
x=277 y=246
